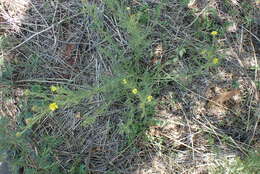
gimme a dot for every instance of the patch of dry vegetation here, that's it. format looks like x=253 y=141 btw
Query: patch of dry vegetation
x=206 y=114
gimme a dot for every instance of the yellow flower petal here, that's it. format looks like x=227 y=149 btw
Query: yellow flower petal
x=214 y=33
x=54 y=88
x=134 y=91
x=124 y=81
x=149 y=98
x=215 y=60
x=53 y=106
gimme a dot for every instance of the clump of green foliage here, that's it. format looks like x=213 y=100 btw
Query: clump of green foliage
x=132 y=87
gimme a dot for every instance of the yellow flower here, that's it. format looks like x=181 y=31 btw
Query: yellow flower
x=18 y=134
x=149 y=98
x=128 y=8
x=53 y=106
x=214 y=33
x=215 y=60
x=54 y=88
x=124 y=81
x=134 y=91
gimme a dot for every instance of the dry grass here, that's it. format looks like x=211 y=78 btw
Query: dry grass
x=197 y=132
